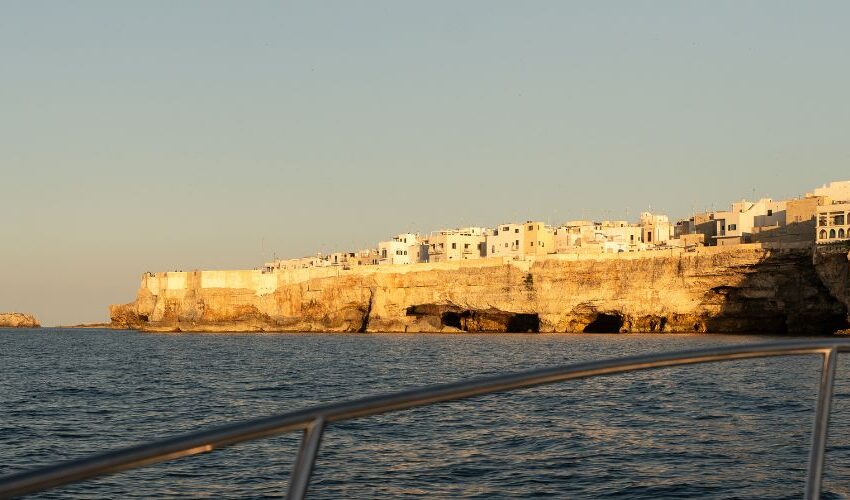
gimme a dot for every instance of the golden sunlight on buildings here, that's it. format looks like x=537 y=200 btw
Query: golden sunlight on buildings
x=821 y=216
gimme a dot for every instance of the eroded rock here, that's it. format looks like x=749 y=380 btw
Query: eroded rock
x=743 y=290
x=18 y=320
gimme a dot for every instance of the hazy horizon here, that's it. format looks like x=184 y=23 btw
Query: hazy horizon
x=197 y=135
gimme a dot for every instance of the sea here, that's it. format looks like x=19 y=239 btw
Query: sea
x=724 y=430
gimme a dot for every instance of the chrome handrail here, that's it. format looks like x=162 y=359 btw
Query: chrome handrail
x=313 y=421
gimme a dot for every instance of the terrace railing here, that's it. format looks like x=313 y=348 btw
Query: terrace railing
x=314 y=421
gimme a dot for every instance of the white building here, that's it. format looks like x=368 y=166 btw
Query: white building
x=835 y=191
x=606 y=237
x=339 y=258
x=405 y=248
x=737 y=225
x=833 y=217
x=833 y=222
x=457 y=244
x=366 y=257
x=299 y=263
x=506 y=240
x=655 y=229
x=624 y=236
x=567 y=238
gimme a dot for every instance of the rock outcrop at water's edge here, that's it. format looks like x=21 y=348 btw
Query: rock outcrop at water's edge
x=18 y=320
x=742 y=290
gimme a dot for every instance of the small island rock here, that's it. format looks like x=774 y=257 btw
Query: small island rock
x=18 y=320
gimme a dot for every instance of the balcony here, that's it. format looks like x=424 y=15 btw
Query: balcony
x=832 y=233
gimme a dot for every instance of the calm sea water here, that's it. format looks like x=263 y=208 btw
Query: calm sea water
x=738 y=429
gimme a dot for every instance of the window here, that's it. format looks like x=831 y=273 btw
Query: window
x=732 y=227
x=649 y=237
x=532 y=243
x=531 y=228
x=454 y=246
x=493 y=249
x=769 y=213
x=516 y=230
x=466 y=246
x=517 y=243
x=832 y=233
x=841 y=233
x=506 y=228
x=542 y=244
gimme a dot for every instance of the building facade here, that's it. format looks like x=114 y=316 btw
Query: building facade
x=457 y=244
x=835 y=191
x=822 y=216
x=506 y=240
x=655 y=229
x=539 y=238
x=738 y=225
x=402 y=249
x=833 y=222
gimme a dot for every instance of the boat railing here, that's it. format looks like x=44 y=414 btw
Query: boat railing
x=314 y=421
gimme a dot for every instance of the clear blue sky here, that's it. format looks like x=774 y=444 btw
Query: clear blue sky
x=164 y=135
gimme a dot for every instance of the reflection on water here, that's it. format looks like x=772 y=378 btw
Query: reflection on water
x=737 y=429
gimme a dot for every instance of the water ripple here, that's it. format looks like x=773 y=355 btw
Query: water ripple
x=731 y=430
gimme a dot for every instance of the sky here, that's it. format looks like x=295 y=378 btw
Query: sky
x=159 y=135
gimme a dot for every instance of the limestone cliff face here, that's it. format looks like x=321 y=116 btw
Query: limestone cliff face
x=18 y=320
x=832 y=263
x=747 y=290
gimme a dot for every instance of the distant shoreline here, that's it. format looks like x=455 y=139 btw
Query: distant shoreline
x=87 y=326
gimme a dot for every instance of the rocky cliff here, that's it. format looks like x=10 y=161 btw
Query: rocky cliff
x=745 y=290
x=832 y=263
x=18 y=320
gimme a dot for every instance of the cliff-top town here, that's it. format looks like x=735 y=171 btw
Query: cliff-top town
x=821 y=216
x=757 y=273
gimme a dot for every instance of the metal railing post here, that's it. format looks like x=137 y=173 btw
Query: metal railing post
x=299 y=480
x=814 y=478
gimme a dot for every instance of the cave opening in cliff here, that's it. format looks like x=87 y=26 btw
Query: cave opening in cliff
x=523 y=323
x=605 y=323
x=453 y=319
